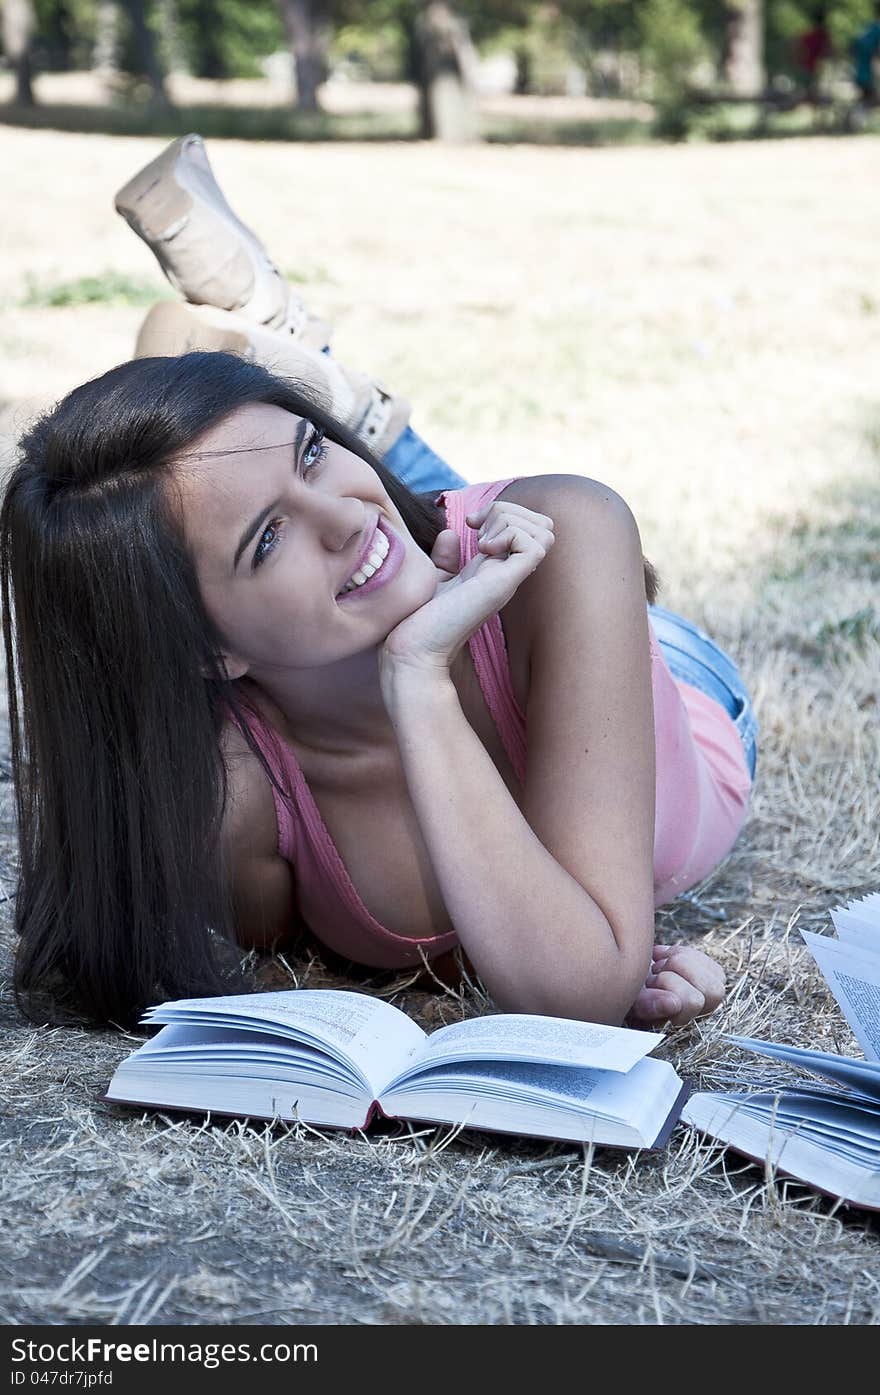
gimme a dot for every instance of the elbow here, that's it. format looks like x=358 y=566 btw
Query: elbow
x=600 y=990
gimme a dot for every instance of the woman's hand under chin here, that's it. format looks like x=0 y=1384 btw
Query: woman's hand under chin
x=684 y=983
x=513 y=542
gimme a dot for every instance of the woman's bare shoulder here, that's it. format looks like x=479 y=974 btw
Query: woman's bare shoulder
x=568 y=500
x=543 y=493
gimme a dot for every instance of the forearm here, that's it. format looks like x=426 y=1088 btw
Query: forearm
x=538 y=939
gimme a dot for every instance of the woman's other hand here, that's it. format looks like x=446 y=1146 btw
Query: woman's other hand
x=684 y=983
x=513 y=541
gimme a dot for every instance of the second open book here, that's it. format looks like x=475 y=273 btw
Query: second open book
x=828 y=1138
x=337 y=1059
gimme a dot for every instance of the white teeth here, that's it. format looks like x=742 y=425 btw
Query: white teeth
x=367 y=569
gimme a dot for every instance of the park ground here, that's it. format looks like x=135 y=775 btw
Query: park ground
x=697 y=326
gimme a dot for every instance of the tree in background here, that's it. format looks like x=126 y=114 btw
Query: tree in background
x=140 y=50
x=447 y=64
x=308 y=25
x=743 y=55
x=229 y=38
x=623 y=47
x=19 y=28
x=672 y=44
x=105 y=43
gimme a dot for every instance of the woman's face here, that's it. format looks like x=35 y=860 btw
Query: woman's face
x=278 y=519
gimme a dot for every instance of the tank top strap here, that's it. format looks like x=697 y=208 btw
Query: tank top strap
x=487 y=644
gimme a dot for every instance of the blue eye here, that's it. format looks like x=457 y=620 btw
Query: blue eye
x=316 y=449
x=268 y=541
x=312 y=456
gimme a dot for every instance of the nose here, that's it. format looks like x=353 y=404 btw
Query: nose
x=339 y=520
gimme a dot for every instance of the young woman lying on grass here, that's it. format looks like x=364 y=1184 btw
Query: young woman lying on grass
x=263 y=680
x=221 y=733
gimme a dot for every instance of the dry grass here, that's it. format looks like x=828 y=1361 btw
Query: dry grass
x=696 y=327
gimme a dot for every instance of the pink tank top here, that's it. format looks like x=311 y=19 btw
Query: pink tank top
x=703 y=785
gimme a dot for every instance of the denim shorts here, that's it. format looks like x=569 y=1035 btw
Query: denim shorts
x=420 y=469
x=690 y=654
x=694 y=658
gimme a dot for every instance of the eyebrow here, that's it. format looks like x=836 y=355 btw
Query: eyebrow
x=248 y=534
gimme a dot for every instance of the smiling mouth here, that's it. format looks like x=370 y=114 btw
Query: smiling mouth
x=371 y=564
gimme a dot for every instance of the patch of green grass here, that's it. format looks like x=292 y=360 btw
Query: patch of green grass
x=309 y=276
x=214 y=122
x=107 y=288
x=859 y=630
x=611 y=131
x=136 y=116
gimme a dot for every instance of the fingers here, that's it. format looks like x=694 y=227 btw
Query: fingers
x=695 y=967
x=514 y=537
x=499 y=506
x=654 y=1005
x=496 y=519
x=684 y=983
x=691 y=1000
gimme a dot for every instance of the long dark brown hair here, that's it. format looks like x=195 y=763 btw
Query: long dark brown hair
x=120 y=783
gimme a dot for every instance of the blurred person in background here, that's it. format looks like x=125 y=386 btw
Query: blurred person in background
x=865 y=47
x=813 y=49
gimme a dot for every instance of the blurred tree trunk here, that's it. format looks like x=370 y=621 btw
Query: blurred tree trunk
x=145 y=52
x=57 y=32
x=105 y=56
x=742 y=62
x=307 y=25
x=19 y=24
x=447 y=72
x=208 y=59
x=173 y=58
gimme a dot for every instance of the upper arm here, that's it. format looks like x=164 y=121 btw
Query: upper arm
x=590 y=770
x=262 y=881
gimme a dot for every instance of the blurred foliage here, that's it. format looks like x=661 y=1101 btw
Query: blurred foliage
x=672 y=43
x=668 y=51
x=66 y=31
x=228 y=38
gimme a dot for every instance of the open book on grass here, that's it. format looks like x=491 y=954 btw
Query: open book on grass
x=336 y=1059
x=829 y=1138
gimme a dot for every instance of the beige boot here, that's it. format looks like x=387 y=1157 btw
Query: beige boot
x=210 y=256
x=373 y=413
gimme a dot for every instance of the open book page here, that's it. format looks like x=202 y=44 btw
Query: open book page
x=628 y=1109
x=853 y=975
x=370 y=1036
x=863 y=1076
x=836 y=1149
x=234 y=1052
x=849 y=1127
x=858 y=922
x=526 y=1037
